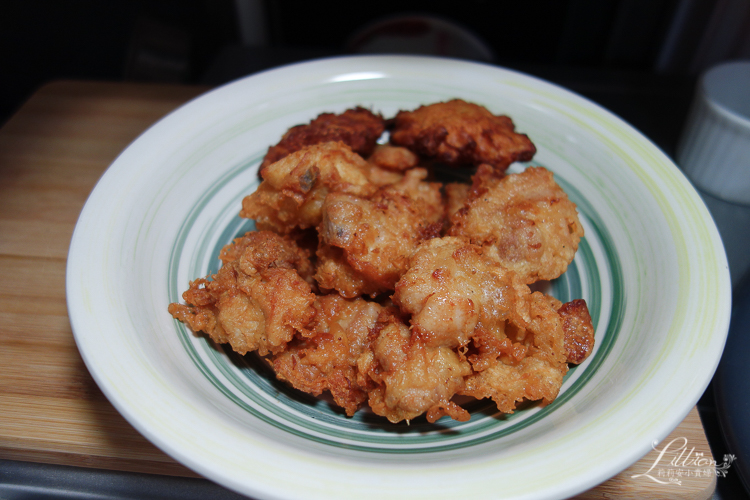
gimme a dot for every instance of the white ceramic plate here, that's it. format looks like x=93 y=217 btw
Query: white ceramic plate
x=651 y=267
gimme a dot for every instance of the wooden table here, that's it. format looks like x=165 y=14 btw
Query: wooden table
x=52 y=152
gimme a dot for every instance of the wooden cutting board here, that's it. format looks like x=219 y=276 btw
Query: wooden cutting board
x=52 y=152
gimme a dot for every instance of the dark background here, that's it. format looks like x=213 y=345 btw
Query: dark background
x=182 y=40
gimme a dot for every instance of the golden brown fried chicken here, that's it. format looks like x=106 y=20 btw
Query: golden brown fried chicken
x=387 y=164
x=461 y=133
x=535 y=371
x=456 y=195
x=462 y=298
x=380 y=176
x=425 y=195
x=261 y=250
x=395 y=158
x=359 y=128
x=257 y=300
x=578 y=329
x=411 y=378
x=453 y=289
x=375 y=234
x=361 y=351
x=327 y=360
x=528 y=218
x=293 y=189
x=333 y=272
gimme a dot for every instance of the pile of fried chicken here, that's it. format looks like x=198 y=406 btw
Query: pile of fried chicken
x=368 y=279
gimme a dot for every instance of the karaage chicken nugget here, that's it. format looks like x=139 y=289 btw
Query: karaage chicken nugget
x=293 y=189
x=426 y=195
x=462 y=298
x=454 y=289
x=535 y=372
x=257 y=300
x=359 y=128
x=327 y=360
x=461 y=133
x=394 y=158
x=387 y=164
x=410 y=378
x=456 y=195
x=333 y=272
x=376 y=234
x=578 y=328
x=261 y=250
x=528 y=218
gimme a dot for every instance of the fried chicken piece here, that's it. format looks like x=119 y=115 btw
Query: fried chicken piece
x=395 y=158
x=461 y=133
x=361 y=351
x=426 y=195
x=376 y=234
x=261 y=250
x=461 y=298
x=333 y=272
x=534 y=374
x=527 y=217
x=380 y=176
x=359 y=128
x=456 y=195
x=578 y=328
x=257 y=300
x=293 y=189
x=411 y=378
x=388 y=164
x=455 y=289
x=327 y=361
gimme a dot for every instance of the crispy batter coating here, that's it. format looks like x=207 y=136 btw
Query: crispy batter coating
x=362 y=351
x=462 y=298
x=376 y=234
x=528 y=218
x=535 y=371
x=380 y=176
x=413 y=378
x=333 y=272
x=261 y=250
x=257 y=300
x=454 y=289
x=294 y=188
x=578 y=328
x=427 y=196
x=456 y=195
x=394 y=158
x=461 y=133
x=327 y=360
x=388 y=164
x=359 y=128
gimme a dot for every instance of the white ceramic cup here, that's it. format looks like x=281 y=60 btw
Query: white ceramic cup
x=714 y=149
x=714 y=152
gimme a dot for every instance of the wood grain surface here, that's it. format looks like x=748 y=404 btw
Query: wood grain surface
x=52 y=152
